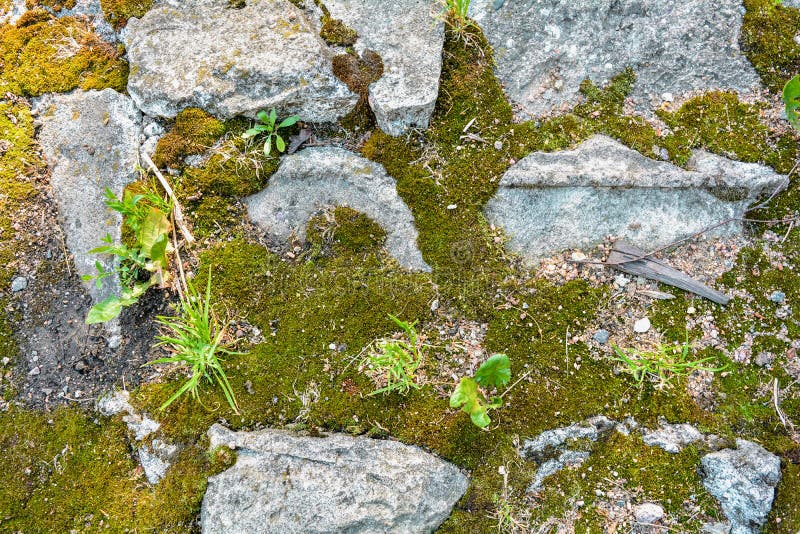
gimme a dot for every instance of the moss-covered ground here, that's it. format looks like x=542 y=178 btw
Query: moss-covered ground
x=316 y=308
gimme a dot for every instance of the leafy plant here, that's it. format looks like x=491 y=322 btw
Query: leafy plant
x=662 y=364
x=455 y=14
x=196 y=338
x=141 y=265
x=396 y=361
x=270 y=130
x=791 y=98
x=493 y=373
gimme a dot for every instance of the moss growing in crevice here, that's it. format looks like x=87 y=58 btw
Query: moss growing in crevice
x=193 y=133
x=344 y=230
x=768 y=37
x=118 y=12
x=337 y=33
x=358 y=73
x=42 y=54
x=55 y=5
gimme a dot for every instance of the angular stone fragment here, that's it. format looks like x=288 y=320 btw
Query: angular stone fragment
x=672 y=437
x=743 y=480
x=91 y=142
x=409 y=40
x=232 y=61
x=314 y=178
x=548 y=202
x=544 y=49
x=285 y=483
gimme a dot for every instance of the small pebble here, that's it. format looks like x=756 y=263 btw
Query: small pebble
x=35 y=371
x=691 y=310
x=5 y=361
x=648 y=513
x=114 y=342
x=621 y=280
x=601 y=336
x=498 y=145
x=452 y=206
x=777 y=297
x=642 y=325
x=20 y=283
x=435 y=305
x=667 y=97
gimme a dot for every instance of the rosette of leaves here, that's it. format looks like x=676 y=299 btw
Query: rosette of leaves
x=268 y=128
x=144 y=263
x=469 y=393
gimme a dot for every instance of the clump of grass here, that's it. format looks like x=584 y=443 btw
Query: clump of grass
x=395 y=361
x=196 y=338
x=662 y=364
x=455 y=15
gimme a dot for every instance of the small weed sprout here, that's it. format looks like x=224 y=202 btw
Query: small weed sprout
x=395 y=361
x=195 y=338
x=493 y=373
x=455 y=14
x=662 y=364
x=141 y=265
x=270 y=130
x=791 y=99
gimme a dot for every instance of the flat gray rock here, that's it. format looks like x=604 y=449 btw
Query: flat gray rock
x=548 y=202
x=672 y=437
x=231 y=61
x=743 y=480
x=285 y=483
x=544 y=49
x=409 y=41
x=90 y=140
x=314 y=178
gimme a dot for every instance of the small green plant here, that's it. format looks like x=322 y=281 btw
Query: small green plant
x=493 y=373
x=196 y=338
x=455 y=13
x=791 y=98
x=268 y=128
x=141 y=265
x=395 y=361
x=662 y=364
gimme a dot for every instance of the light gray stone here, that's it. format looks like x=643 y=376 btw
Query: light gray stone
x=93 y=11
x=285 y=483
x=233 y=61
x=648 y=513
x=14 y=11
x=715 y=528
x=19 y=283
x=551 y=443
x=409 y=41
x=117 y=402
x=544 y=49
x=549 y=202
x=743 y=480
x=672 y=437
x=91 y=142
x=156 y=459
x=314 y=178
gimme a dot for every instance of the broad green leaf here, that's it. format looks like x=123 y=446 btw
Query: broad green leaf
x=152 y=234
x=480 y=418
x=104 y=311
x=262 y=116
x=466 y=395
x=273 y=116
x=268 y=145
x=279 y=144
x=791 y=97
x=496 y=371
x=289 y=121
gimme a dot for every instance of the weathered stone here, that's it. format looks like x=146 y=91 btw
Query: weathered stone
x=672 y=437
x=19 y=283
x=648 y=513
x=117 y=402
x=549 y=202
x=743 y=480
x=156 y=459
x=285 y=483
x=91 y=142
x=544 y=49
x=409 y=41
x=233 y=61
x=315 y=178
x=93 y=11
x=550 y=443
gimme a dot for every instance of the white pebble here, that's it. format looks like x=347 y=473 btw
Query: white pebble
x=642 y=325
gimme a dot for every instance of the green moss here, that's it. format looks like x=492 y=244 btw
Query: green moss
x=42 y=54
x=768 y=40
x=55 y=5
x=785 y=515
x=118 y=12
x=345 y=230
x=358 y=73
x=337 y=33
x=194 y=132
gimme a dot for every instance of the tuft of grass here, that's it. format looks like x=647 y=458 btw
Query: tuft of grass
x=395 y=361
x=196 y=338
x=455 y=15
x=662 y=364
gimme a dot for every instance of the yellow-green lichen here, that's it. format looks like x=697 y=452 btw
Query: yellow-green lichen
x=55 y=5
x=337 y=33
x=42 y=54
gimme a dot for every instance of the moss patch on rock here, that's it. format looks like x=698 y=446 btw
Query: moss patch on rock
x=768 y=41
x=118 y=12
x=193 y=133
x=42 y=54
